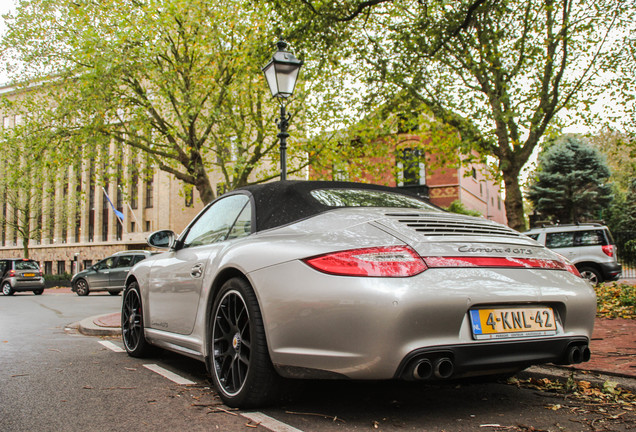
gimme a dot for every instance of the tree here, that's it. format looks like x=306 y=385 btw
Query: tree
x=23 y=183
x=177 y=80
x=570 y=182
x=499 y=71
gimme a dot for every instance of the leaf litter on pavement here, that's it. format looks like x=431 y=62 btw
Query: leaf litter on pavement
x=603 y=407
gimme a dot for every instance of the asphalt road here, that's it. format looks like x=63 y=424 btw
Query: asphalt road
x=54 y=379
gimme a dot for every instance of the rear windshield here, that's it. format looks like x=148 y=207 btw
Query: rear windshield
x=26 y=265
x=368 y=198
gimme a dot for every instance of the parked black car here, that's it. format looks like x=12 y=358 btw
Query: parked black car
x=108 y=274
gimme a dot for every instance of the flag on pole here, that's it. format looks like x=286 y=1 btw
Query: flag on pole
x=119 y=214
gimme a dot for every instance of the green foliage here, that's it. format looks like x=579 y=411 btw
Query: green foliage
x=570 y=182
x=458 y=207
x=616 y=300
x=179 y=81
x=499 y=73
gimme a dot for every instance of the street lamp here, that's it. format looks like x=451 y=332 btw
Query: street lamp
x=281 y=74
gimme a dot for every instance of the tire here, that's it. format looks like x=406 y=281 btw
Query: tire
x=132 y=322
x=81 y=287
x=7 y=289
x=240 y=365
x=114 y=293
x=592 y=275
x=38 y=292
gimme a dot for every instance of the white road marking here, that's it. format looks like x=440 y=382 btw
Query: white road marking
x=269 y=422
x=170 y=375
x=111 y=346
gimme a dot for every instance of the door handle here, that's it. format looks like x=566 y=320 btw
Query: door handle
x=196 y=271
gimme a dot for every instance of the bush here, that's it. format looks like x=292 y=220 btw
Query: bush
x=458 y=207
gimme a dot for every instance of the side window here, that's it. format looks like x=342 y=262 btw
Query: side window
x=533 y=236
x=243 y=225
x=589 y=238
x=559 y=240
x=214 y=225
x=3 y=267
x=105 y=264
x=124 y=261
x=138 y=258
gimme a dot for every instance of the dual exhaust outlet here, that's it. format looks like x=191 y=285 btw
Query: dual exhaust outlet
x=424 y=369
x=577 y=354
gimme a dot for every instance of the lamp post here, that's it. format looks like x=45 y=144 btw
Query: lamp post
x=281 y=74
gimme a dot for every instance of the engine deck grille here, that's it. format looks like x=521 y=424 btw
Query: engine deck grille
x=439 y=226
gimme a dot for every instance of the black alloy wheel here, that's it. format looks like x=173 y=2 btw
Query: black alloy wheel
x=6 y=289
x=132 y=322
x=81 y=287
x=241 y=368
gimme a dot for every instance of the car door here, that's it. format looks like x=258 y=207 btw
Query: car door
x=176 y=279
x=101 y=277
x=119 y=271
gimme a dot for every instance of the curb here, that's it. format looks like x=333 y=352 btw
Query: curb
x=88 y=327
x=557 y=373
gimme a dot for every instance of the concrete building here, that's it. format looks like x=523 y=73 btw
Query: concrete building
x=78 y=217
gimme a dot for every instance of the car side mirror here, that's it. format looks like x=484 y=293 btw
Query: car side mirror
x=163 y=239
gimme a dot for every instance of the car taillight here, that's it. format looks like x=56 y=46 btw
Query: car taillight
x=11 y=273
x=402 y=261
x=608 y=250
x=390 y=261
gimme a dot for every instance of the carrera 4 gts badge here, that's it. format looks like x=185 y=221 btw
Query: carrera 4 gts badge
x=516 y=251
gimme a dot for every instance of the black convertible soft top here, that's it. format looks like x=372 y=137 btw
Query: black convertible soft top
x=283 y=202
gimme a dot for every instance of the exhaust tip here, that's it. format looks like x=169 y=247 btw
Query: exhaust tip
x=575 y=355
x=444 y=368
x=423 y=369
x=586 y=354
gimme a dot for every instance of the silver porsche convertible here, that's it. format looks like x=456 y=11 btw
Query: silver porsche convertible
x=344 y=280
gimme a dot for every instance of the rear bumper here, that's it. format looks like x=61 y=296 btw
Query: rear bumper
x=501 y=356
x=26 y=285
x=611 y=271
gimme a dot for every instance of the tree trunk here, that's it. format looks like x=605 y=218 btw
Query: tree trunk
x=204 y=187
x=25 y=247
x=514 y=200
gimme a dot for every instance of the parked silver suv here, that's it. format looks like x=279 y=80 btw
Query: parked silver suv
x=21 y=274
x=590 y=247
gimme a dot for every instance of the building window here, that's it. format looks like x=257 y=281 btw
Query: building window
x=499 y=203
x=189 y=197
x=340 y=172
x=132 y=227
x=119 y=230
x=48 y=267
x=411 y=169
x=473 y=173
x=87 y=264
x=147 y=226
x=149 y=193
x=134 y=190
x=105 y=224
x=61 y=267
x=481 y=188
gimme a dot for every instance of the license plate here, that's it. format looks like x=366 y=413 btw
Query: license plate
x=512 y=322
x=28 y=274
